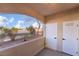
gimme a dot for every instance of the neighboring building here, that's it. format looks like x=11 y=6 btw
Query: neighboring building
x=22 y=31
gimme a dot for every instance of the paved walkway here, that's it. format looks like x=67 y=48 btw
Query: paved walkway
x=49 y=52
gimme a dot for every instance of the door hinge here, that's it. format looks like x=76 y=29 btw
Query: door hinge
x=77 y=25
x=77 y=52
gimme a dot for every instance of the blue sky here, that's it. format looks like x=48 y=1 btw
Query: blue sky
x=16 y=20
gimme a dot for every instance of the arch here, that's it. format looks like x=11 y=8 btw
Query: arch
x=28 y=12
x=17 y=23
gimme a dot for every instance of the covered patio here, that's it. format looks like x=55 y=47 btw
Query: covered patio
x=60 y=30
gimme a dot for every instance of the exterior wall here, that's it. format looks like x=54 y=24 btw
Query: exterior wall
x=59 y=18
x=64 y=16
x=27 y=49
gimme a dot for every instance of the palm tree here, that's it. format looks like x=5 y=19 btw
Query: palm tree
x=14 y=29
x=5 y=29
x=39 y=25
x=1 y=28
x=12 y=33
x=2 y=35
x=31 y=29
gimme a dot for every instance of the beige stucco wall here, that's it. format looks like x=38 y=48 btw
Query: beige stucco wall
x=27 y=49
x=60 y=18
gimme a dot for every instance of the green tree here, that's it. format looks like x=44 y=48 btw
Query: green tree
x=14 y=29
x=5 y=29
x=1 y=27
x=31 y=29
x=2 y=33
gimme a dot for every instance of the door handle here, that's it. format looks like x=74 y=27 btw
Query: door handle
x=55 y=38
x=63 y=39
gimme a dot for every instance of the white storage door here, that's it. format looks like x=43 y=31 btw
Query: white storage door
x=51 y=36
x=70 y=44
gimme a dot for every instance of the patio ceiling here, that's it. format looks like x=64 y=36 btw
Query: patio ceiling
x=38 y=10
x=46 y=9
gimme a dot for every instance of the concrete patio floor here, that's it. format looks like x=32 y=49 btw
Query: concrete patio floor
x=49 y=52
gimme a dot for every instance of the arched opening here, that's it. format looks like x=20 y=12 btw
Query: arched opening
x=19 y=26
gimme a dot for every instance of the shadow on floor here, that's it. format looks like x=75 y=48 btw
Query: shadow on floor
x=49 y=52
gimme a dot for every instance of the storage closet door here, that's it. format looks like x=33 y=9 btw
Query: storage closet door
x=70 y=42
x=51 y=36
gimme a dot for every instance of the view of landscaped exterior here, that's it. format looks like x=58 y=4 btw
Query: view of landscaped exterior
x=17 y=26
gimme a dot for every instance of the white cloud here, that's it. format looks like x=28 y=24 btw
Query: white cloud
x=35 y=24
x=3 y=19
x=19 y=24
x=11 y=19
x=1 y=23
